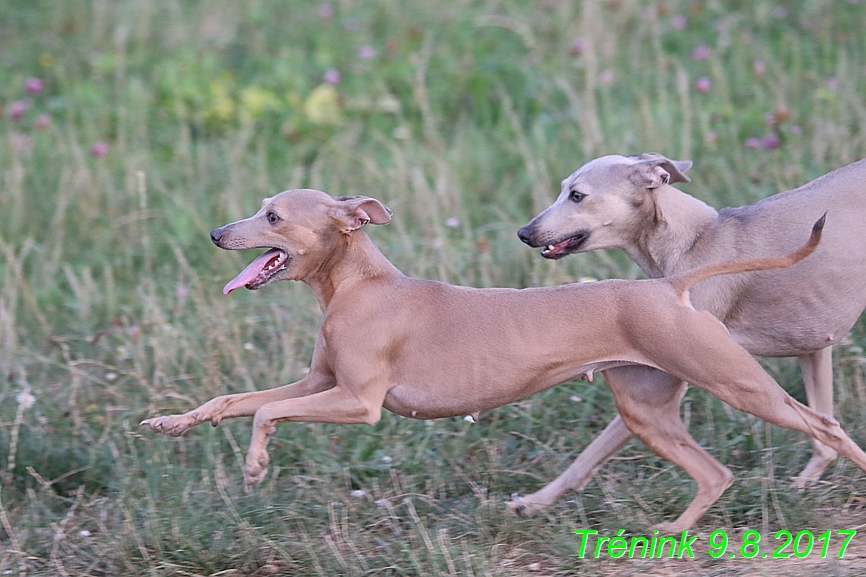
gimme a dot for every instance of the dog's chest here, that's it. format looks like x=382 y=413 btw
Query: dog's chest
x=418 y=403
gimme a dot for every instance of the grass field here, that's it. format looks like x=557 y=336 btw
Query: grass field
x=131 y=128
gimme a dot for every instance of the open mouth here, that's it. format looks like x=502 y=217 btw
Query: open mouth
x=259 y=272
x=565 y=247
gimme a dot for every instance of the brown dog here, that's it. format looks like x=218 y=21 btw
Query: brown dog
x=426 y=349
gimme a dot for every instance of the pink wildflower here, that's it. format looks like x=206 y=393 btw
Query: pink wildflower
x=42 y=121
x=18 y=108
x=325 y=11
x=332 y=76
x=580 y=45
x=759 y=67
x=33 y=85
x=19 y=141
x=770 y=142
x=99 y=149
x=606 y=77
x=702 y=52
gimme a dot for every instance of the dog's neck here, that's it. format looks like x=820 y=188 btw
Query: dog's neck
x=679 y=221
x=352 y=258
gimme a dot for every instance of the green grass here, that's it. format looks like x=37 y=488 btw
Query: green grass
x=111 y=309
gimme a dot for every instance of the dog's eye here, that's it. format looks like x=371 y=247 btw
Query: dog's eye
x=576 y=196
x=272 y=217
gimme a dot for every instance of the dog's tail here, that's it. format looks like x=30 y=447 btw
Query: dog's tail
x=683 y=282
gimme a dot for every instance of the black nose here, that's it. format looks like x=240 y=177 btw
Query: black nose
x=525 y=234
x=215 y=235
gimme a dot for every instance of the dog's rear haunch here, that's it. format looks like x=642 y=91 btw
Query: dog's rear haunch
x=427 y=349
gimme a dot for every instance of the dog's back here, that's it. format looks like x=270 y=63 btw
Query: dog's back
x=807 y=307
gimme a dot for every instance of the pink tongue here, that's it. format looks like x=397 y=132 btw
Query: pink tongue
x=252 y=271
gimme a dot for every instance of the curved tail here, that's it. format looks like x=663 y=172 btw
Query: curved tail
x=683 y=282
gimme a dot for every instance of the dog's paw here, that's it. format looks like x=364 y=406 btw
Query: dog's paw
x=256 y=468
x=520 y=506
x=174 y=425
x=815 y=468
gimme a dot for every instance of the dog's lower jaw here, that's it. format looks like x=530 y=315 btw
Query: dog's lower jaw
x=261 y=271
x=565 y=247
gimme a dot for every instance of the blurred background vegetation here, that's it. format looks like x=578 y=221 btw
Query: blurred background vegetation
x=130 y=128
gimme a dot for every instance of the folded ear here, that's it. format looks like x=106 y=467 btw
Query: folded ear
x=353 y=212
x=653 y=170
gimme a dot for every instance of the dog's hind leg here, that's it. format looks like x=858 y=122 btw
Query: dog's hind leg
x=652 y=413
x=709 y=359
x=761 y=396
x=817 y=370
x=613 y=438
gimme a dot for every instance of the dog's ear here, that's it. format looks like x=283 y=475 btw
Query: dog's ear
x=653 y=170
x=353 y=212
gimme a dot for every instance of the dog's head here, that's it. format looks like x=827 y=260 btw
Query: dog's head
x=301 y=230
x=600 y=204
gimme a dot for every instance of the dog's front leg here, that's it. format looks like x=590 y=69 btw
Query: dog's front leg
x=238 y=405
x=338 y=405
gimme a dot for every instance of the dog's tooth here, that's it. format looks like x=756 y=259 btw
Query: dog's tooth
x=550 y=247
